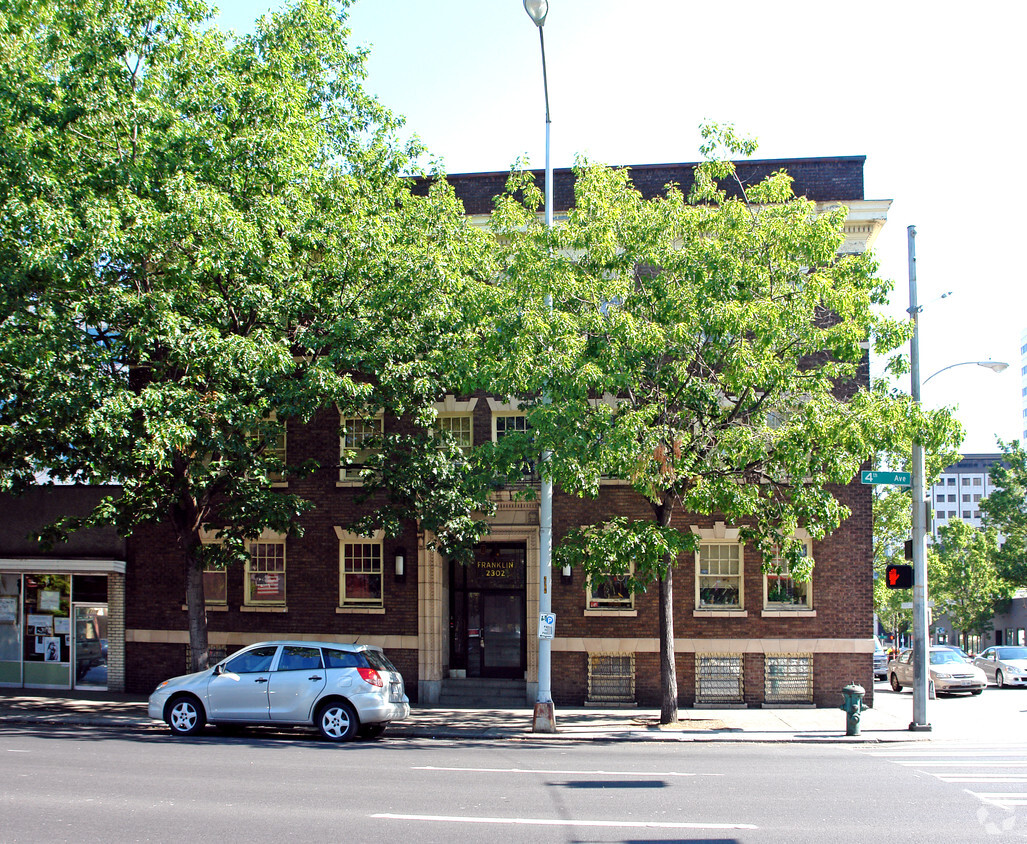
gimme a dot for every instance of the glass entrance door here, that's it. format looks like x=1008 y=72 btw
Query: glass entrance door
x=502 y=634
x=90 y=657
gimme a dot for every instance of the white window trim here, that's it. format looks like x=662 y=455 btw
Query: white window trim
x=353 y=479
x=625 y=610
x=778 y=610
x=719 y=534
x=468 y=417
x=363 y=606
x=267 y=537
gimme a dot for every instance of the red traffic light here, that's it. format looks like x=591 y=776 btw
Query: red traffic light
x=898 y=577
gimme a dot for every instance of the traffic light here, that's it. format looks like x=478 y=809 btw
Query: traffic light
x=898 y=577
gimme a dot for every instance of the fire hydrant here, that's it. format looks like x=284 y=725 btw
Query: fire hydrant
x=853 y=706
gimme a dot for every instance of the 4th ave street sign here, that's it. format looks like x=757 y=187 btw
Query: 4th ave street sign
x=892 y=478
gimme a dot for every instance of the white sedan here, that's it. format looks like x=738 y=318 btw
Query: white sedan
x=1004 y=665
x=949 y=672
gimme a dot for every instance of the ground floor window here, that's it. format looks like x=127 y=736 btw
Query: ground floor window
x=611 y=678
x=718 y=678
x=360 y=570
x=788 y=678
x=265 y=573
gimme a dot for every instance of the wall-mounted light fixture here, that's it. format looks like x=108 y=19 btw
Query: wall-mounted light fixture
x=400 y=562
x=566 y=572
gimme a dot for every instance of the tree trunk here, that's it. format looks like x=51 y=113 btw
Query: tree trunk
x=668 y=668
x=668 y=665
x=197 y=610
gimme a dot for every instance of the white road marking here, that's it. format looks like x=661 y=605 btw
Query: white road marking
x=565 y=773
x=978 y=778
x=564 y=822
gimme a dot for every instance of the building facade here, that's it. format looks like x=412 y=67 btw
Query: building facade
x=742 y=638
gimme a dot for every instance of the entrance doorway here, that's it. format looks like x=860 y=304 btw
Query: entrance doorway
x=488 y=612
x=90 y=658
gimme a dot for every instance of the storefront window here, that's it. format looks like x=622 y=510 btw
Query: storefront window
x=10 y=639
x=47 y=640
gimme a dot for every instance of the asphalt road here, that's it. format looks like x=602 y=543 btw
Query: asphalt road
x=82 y=785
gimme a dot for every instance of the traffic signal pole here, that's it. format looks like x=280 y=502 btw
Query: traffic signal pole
x=920 y=631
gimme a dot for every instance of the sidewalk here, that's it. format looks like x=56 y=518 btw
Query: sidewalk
x=885 y=724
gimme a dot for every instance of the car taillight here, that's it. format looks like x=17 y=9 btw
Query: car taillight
x=371 y=677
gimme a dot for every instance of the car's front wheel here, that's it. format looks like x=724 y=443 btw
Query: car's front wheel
x=1000 y=681
x=185 y=716
x=337 y=721
x=895 y=684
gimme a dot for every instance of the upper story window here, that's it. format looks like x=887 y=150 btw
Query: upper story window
x=719 y=575
x=265 y=573
x=357 y=440
x=781 y=591
x=360 y=569
x=950 y=481
x=460 y=427
x=611 y=592
x=508 y=424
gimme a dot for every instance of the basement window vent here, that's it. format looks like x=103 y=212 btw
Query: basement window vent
x=789 y=678
x=718 y=678
x=611 y=679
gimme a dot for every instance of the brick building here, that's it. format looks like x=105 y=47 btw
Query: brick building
x=448 y=628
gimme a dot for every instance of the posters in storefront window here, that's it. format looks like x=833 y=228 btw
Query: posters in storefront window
x=61 y=626
x=39 y=624
x=51 y=649
x=49 y=599
x=9 y=609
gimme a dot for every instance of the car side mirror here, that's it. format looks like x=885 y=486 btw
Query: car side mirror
x=219 y=670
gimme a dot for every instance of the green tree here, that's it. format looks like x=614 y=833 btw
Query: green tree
x=202 y=240
x=730 y=337
x=1005 y=509
x=964 y=584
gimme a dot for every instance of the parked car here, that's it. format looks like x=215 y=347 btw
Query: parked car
x=958 y=650
x=1004 y=665
x=948 y=671
x=880 y=660
x=342 y=690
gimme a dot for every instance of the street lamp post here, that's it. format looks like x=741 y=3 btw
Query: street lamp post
x=920 y=643
x=544 y=718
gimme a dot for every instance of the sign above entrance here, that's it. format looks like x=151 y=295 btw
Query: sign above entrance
x=546 y=625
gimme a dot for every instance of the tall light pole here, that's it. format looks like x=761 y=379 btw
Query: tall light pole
x=920 y=652
x=544 y=718
x=920 y=638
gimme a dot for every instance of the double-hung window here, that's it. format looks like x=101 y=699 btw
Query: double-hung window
x=265 y=573
x=719 y=576
x=358 y=435
x=459 y=427
x=360 y=570
x=781 y=591
x=610 y=592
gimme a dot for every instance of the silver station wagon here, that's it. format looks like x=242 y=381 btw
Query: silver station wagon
x=343 y=690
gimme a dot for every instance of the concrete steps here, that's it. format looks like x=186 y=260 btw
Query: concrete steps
x=482 y=693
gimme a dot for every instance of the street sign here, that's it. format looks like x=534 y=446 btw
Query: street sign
x=890 y=478
x=546 y=625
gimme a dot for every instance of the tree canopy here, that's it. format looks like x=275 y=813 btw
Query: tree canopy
x=202 y=239
x=710 y=350
x=1005 y=510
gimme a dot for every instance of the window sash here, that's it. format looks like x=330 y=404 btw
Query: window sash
x=265 y=573
x=360 y=574
x=215 y=586
x=781 y=589
x=610 y=591
x=353 y=452
x=459 y=427
x=719 y=575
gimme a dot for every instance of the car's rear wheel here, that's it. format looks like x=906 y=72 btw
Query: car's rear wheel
x=895 y=684
x=185 y=716
x=337 y=721
x=1000 y=681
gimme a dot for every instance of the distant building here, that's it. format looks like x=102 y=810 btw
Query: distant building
x=961 y=487
x=1023 y=384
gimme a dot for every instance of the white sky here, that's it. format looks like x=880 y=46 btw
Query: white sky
x=931 y=93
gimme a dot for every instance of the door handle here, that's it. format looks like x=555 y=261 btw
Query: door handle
x=260 y=680
x=314 y=677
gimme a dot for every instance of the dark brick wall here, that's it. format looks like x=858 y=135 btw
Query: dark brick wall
x=836 y=178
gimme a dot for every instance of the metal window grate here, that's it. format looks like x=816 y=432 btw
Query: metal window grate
x=718 y=678
x=789 y=678
x=611 y=678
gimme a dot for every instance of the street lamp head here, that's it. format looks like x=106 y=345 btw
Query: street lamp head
x=994 y=365
x=537 y=11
